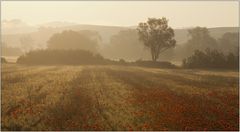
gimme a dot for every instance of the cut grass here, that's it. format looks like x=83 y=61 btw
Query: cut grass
x=117 y=98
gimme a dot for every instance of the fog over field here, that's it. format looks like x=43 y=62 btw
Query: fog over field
x=120 y=65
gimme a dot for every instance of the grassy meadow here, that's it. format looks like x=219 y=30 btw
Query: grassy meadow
x=117 y=98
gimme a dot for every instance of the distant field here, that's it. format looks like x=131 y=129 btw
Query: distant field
x=117 y=98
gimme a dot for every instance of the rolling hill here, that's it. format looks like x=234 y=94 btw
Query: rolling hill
x=46 y=31
x=41 y=36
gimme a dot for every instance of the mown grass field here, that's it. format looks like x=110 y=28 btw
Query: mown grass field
x=117 y=98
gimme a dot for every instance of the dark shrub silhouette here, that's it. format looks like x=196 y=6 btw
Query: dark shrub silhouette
x=80 y=57
x=211 y=59
x=71 y=57
x=3 y=60
x=122 y=62
x=157 y=64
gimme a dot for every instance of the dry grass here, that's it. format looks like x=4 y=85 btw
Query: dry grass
x=117 y=98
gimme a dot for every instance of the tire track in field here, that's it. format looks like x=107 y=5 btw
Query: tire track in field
x=41 y=88
x=76 y=109
x=16 y=68
x=151 y=92
x=111 y=97
x=22 y=76
x=94 y=101
x=180 y=84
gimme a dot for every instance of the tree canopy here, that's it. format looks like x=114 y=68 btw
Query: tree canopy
x=156 y=35
x=60 y=56
x=127 y=41
x=200 y=39
x=211 y=59
x=69 y=39
x=229 y=42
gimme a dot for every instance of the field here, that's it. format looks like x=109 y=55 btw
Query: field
x=117 y=98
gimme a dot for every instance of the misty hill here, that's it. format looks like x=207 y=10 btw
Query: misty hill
x=44 y=33
x=16 y=26
x=181 y=35
x=41 y=36
x=57 y=24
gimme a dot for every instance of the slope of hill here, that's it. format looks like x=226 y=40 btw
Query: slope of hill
x=16 y=26
x=130 y=98
x=43 y=34
x=181 y=35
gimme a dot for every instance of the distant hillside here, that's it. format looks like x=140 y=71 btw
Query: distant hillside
x=57 y=24
x=41 y=36
x=16 y=26
x=44 y=33
x=181 y=35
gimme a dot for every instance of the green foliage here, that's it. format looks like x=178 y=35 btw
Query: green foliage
x=156 y=35
x=211 y=59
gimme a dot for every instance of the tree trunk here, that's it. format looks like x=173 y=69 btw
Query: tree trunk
x=154 y=59
x=154 y=54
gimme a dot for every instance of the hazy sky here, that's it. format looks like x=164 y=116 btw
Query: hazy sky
x=124 y=13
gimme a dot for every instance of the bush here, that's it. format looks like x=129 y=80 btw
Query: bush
x=157 y=64
x=3 y=60
x=71 y=57
x=211 y=59
x=122 y=62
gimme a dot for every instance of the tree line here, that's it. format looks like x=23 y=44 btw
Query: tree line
x=211 y=59
x=61 y=56
x=72 y=47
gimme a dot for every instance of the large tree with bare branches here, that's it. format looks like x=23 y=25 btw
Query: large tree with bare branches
x=156 y=35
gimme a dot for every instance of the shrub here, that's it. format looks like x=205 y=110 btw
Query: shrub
x=122 y=62
x=71 y=57
x=157 y=64
x=3 y=60
x=211 y=59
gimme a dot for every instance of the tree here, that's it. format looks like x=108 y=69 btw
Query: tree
x=211 y=59
x=60 y=56
x=27 y=43
x=200 y=39
x=3 y=60
x=72 y=40
x=229 y=42
x=127 y=41
x=156 y=35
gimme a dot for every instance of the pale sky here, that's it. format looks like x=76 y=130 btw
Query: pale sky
x=124 y=13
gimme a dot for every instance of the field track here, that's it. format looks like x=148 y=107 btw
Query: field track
x=117 y=98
